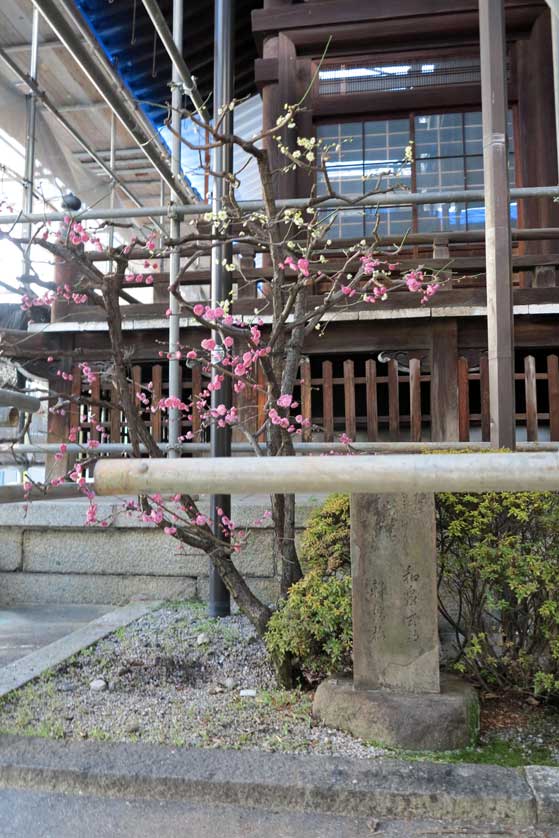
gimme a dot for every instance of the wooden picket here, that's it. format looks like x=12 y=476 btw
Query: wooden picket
x=484 y=397
x=463 y=401
x=306 y=397
x=350 y=397
x=553 y=390
x=157 y=382
x=371 y=397
x=531 y=398
x=415 y=400
x=327 y=401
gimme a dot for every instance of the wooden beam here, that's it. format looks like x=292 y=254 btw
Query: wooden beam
x=328 y=13
x=498 y=247
x=444 y=381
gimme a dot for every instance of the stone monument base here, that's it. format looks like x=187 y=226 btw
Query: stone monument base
x=442 y=721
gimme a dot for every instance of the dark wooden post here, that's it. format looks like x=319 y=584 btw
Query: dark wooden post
x=66 y=273
x=497 y=223
x=444 y=380
x=58 y=424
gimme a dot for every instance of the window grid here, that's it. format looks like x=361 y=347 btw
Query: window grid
x=448 y=156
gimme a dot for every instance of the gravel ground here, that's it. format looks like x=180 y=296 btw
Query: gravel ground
x=179 y=678
x=175 y=677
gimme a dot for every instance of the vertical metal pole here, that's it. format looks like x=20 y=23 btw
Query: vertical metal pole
x=162 y=230
x=29 y=166
x=222 y=162
x=500 y=320
x=112 y=162
x=174 y=262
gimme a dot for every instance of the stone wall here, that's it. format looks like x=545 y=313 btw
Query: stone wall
x=47 y=555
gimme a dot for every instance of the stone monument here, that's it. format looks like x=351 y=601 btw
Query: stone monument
x=397 y=696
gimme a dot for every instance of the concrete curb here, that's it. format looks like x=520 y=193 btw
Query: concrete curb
x=15 y=674
x=382 y=788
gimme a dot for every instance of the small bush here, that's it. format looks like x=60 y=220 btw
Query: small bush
x=499 y=575
x=498 y=585
x=325 y=543
x=313 y=626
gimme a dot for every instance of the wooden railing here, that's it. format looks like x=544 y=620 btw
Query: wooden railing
x=362 y=398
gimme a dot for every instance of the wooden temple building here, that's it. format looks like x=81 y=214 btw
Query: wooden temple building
x=395 y=71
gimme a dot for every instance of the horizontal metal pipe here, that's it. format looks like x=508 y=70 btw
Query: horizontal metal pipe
x=11 y=398
x=117 y=448
x=384 y=199
x=450 y=237
x=399 y=473
x=531 y=234
x=16 y=494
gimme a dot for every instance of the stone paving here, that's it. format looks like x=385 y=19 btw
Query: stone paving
x=27 y=628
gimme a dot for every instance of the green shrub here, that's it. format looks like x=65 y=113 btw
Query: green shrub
x=499 y=585
x=313 y=626
x=325 y=543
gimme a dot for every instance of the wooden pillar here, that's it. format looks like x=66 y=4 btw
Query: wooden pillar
x=66 y=273
x=58 y=426
x=444 y=380
x=287 y=95
x=294 y=76
x=536 y=155
x=497 y=222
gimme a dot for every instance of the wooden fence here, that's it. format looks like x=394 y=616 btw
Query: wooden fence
x=362 y=398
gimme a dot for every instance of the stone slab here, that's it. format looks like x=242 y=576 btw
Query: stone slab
x=544 y=782
x=143 y=552
x=71 y=513
x=284 y=782
x=15 y=674
x=10 y=549
x=394 y=583
x=58 y=588
x=442 y=721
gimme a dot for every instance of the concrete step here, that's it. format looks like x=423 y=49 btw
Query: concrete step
x=285 y=783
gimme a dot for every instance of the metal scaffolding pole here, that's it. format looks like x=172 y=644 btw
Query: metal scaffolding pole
x=174 y=261
x=46 y=103
x=115 y=449
x=382 y=199
x=112 y=163
x=498 y=248
x=162 y=231
x=174 y=51
x=65 y=19
x=221 y=281
x=31 y=127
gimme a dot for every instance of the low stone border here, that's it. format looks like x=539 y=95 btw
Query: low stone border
x=20 y=671
x=382 y=788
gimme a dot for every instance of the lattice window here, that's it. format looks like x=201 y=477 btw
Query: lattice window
x=370 y=155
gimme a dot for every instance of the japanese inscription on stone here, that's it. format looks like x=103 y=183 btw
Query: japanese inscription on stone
x=410 y=580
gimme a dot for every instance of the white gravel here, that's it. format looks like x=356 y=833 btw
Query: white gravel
x=176 y=677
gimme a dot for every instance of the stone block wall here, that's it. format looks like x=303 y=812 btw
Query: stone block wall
x=47 y=555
